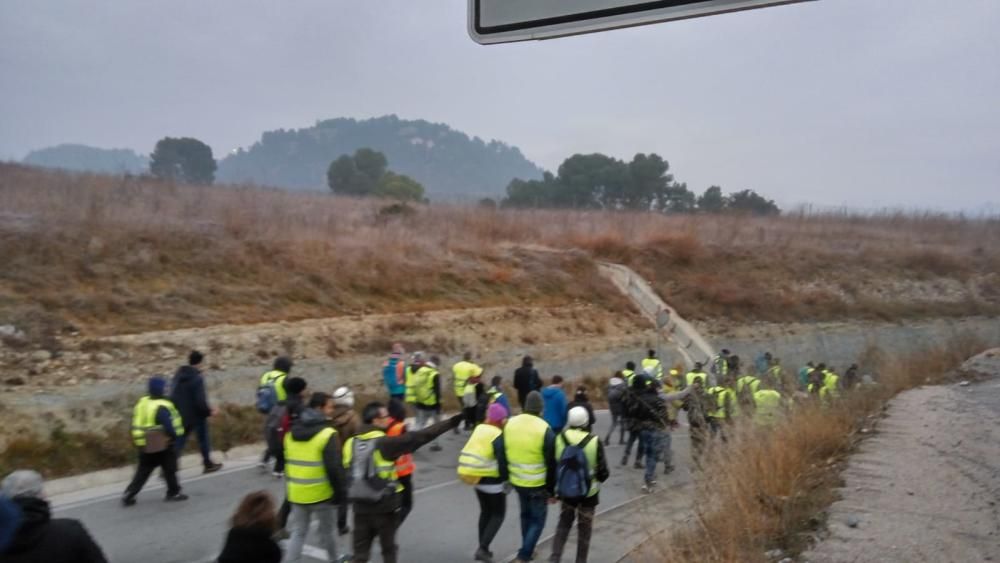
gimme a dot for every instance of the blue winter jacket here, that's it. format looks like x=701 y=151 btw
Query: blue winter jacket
x=555 y=408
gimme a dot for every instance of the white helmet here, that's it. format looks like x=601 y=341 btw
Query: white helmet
x=343 y=396
x=578 y=417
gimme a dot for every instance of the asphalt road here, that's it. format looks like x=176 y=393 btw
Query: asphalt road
x=442 y=526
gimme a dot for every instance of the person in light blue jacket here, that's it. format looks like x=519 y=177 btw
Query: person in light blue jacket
x=554 y=399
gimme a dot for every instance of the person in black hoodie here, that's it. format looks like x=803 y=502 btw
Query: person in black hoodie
x=187 y=392
x=526 y=380
x=250 y=538
x=580 y=399
x=41 y=537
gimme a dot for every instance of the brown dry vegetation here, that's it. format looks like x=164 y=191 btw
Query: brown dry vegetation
x=766 y=490
x=103 y=255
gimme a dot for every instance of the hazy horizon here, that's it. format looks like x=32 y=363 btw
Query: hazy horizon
x=868 y=105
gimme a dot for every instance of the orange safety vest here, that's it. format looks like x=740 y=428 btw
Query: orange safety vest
x=404 y=463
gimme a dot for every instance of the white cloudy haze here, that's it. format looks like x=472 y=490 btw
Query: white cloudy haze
x=865 y=103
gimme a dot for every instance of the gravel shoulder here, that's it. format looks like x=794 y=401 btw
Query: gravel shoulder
x=927 y=485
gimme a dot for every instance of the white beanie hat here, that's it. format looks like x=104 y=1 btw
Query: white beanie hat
x=343 y=396
x=578 y=417
x=22 y=483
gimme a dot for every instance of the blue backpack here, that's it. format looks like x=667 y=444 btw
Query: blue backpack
x=573 y=471
x=267 y=397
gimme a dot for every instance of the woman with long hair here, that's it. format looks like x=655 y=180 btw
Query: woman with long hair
x=251 y=537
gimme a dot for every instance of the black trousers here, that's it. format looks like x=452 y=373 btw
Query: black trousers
x=166 y=460
x=584 y=527
x=492 y=510
x=369 y=526
x=405 y=497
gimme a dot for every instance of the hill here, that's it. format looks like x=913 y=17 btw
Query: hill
x=84 y=158
x=449 y=163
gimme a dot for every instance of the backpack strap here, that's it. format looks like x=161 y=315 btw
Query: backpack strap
x=583 y=443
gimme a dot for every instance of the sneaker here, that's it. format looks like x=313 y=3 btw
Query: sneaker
x=128 y=500
x=212 y=468
x=649 y=486
x=483 y=555
x=637 y=464
x=277 y=474
x=435 y=447
x=176 y=498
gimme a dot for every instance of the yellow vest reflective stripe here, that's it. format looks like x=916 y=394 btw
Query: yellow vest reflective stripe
x=720 y=394
x=653 y=367
x=750 y=380
x=423 y=386
x=524 y=444
x=305 y=474
x=277 y=379
x=692 y=375
x=477 y=458
x=463 y=371
x=721 y=365
x=384 y=468
x=768 y=403
x=144 y=418
x=574 y=436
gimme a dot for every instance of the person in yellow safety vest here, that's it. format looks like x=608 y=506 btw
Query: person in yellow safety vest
x=586 y=505
x=426 y=391
x=376 y=515
x=696 y=373
x=831 y=385
x=483 y=464
x=653 y=366
x=155 y=425
x=775 y=373
x=768 y=407
x=817 y=377
x=274 y=379
x=726 y=407
x=529 y=445
x=409 y=377
x=628 y=374
x=720 y=364
x=465 y=377
x=314 y=476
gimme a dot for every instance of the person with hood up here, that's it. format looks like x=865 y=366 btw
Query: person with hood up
x=404 y=463
x=344 y=419
x=616 y=404
x=526 y=380
x=529 y=446
x=40 y=538
x=376 y=515
x=394 y=373
x=315 y=477
x=187 y=391
x=554 y=399
x=580 y=399
x=155 y=425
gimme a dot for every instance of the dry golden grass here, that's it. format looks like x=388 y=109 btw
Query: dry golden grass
x=765 y=490
x=104 y=255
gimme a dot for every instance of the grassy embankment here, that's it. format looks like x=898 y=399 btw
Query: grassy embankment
x=767 y=489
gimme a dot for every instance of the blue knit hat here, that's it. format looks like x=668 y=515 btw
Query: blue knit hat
x=157 y=386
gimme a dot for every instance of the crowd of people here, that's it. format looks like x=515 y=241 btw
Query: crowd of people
x=337 y=460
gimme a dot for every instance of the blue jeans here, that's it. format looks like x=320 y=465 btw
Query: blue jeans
x=201 y=429
x=649 y=442
x=534 y=509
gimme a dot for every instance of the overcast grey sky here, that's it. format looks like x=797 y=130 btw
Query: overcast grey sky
x=867 y=103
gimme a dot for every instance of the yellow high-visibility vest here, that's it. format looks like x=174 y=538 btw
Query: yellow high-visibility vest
x=721 y=393
x=572 y=437
x=420 y=386
x=477 y=458
x=305 y=475
x=276 y=378
x=144 y=418
x=692 y=375
x=629 y=375
x=654 y=367
x=768 y=407
x=463 y=371
x=524 y=443
x=746 y=380
x=384 y=468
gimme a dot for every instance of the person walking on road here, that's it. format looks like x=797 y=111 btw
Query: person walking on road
x=554 y=401
x=314 y=479
x=394 y=373
x=483 y=464
x=271 y=392
x=187 y=391
x=155 y=425
x=529 y=445
x=404 y=463
x=345 y=420
x=526 y=380
x=582 y=468
x=653 y=366
x=423 y=390
x=280 y=420
x=39 y=538
x=250 y=537
x=648 y=412
x=462 y=373
x=496 y=394
x=374 y=488
x=616 y=404
x=580 y=399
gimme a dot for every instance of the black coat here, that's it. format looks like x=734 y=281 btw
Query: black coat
x=41 y=539
x=526 y=380
x=250 y=545
x=187 y=392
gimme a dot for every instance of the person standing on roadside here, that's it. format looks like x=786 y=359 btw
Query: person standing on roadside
x=187 y=391
x=529 y=445
x=155 y=425
x=483 y=464
x=394 y=373
x=526 y=380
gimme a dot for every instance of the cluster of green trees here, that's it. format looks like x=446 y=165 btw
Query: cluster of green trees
x=367 y=173
x=597 y=181
x=184 y=160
